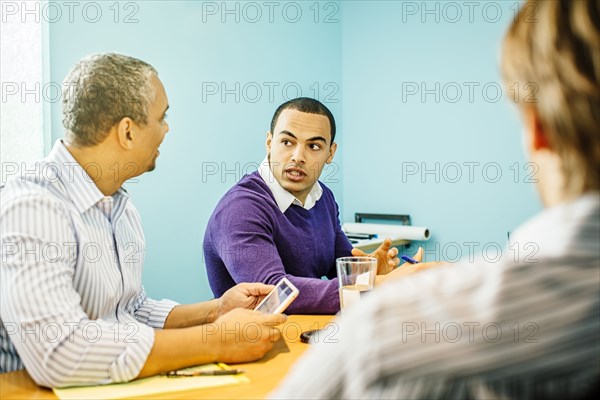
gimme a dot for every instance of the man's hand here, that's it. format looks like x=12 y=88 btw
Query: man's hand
x=408 y=268
x=245 y=335
x=387 y=259
x=238 y=336
x=244 y=295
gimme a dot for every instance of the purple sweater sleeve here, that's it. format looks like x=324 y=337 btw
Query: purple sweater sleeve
x=242 y=235
x=343 y=247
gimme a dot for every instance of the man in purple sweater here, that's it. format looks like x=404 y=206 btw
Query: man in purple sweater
x=280 y=221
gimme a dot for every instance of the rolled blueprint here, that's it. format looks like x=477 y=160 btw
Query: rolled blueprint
x=394 y=232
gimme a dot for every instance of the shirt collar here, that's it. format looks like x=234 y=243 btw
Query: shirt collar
x=79 y=185
x=283 y=198
x=557 y=230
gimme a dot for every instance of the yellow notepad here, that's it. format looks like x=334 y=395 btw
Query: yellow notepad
x=153 y=385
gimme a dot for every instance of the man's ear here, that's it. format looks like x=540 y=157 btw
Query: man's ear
x=268 y=142
x=332 y=150
x=126 y=133
x=536 y=136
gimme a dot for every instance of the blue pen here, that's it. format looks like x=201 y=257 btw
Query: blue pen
x=409 y=259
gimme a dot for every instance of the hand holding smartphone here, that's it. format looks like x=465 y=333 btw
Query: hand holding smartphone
x=279 y=299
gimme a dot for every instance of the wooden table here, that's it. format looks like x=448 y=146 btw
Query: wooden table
x=264 y=374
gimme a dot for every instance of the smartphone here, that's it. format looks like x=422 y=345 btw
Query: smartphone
x=279 y=299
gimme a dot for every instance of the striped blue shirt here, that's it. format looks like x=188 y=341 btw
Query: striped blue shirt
x=73 y=310
x=524 y=327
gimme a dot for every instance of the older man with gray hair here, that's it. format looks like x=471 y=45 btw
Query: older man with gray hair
x=73 y=310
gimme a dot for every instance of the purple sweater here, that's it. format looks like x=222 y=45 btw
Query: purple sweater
x=249 y=239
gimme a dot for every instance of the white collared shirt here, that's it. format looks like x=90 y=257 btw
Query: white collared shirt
x=283 y=198
x=72 y=259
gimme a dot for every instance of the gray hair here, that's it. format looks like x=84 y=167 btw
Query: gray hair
x=101 y=90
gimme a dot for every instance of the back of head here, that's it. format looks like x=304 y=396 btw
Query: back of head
x=101 y=90
x=552 y=51
x=306 y=105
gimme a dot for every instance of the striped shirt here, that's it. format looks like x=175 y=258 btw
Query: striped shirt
x=73 y=309
x=525 y=327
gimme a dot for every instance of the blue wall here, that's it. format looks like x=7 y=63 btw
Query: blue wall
x=213 y=140
x=263 y=56
x=393 y=52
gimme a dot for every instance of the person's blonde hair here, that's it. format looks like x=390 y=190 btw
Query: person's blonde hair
x=552 y=50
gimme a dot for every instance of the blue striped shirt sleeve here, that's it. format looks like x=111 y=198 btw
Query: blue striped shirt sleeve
x=41 y=310
x=150 y=312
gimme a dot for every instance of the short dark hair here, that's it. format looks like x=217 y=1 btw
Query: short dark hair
x=306 y=105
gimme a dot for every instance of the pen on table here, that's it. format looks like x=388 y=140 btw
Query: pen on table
x=409 y=259
x=216 y=372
